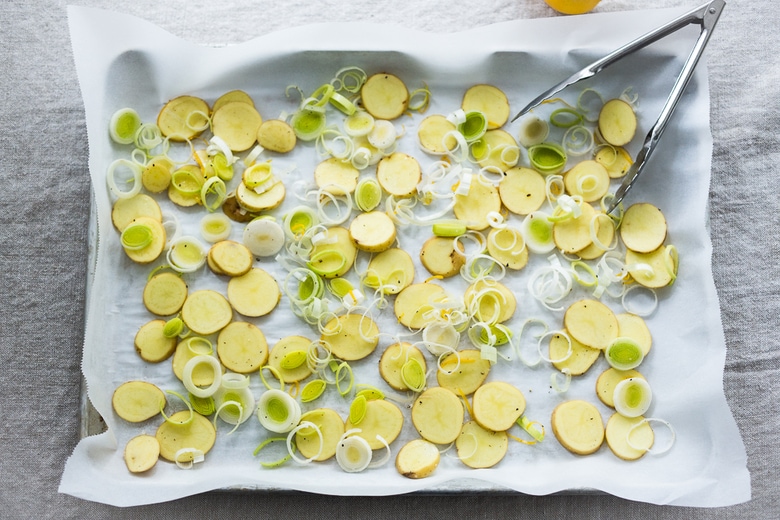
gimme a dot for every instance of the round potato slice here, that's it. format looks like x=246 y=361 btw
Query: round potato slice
x=242 y=347
x=151 y=344
x=481 y=448
x=573 y=234
x=206 y=312
x=608 y=380
x=591 y=323
x=254 y=202
x=497 y=405
x=523 y=190
x=236 y=123
x=662 y=267
x=331 y=427
x=501 y=150
x=437 y=415
x=230 y=258
x=179 y=432
x=615 y=160
x=277 y=136
x=634 y=327
x=412 y=303
x=643 y=228
x=186 y=182
x=393 y=269
x=137 y=401
x=231 y=96
x=351 y=336
x=336 y=176
x=153 y=229
x=578 y=426
x=489 y=100
x=183 y=118
x=578 y=362
x=432 y=134
x=289 y=356
x=141 y=453
x=254 y=294
x=384 y=96
x=382 y=418
x=372 y=232
x=605 y=234
x=417 y=458
x=164 y=294
x=588 y=179
x=463 y=372
x=507 y=246
x=629 y=438
x=617 y=122
x=126 y=210
x=333 y=259
x=399 y=174
x=490 y=302
x=472 y=209
x=438 y=256
x=235 y=211
x=393 y=360
x=156 y=176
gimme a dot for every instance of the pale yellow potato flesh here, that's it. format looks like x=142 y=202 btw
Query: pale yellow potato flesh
x=254 y=294
x=413 y=302
x=615 y=159
x=663 y=269
x=523 y=190
x=605 y=235
x=394 y=268
x=643 y=228
x=177 y=433
x=336 y=176
x=384 y=96
x=156 y=175
x=331 y=427
x=608 y=380
x=254 y=202
x=578 y=362
x=507 y=246
x=621 y=429
x=417 y=458
x=277 y=136
x=206 y=312
x=497 y=405
x=617 y=122
x=137 y=401
x=472 y=209
x=351 y=336
x=463 y=372
x=496 y=304
x=382 y=418
x=290 y=347
x=242 y=347
x=188 y=193
x=183 y=118
x=372 y=232
x=343 y=257
x=437 y=415
x=578 y=426
x=439 y=257
x=588 y=179
x=150 y=343
x=392 y=361
x=573 y=234
x=635 y=327
x=164 y=294
x=126 y=210
x=236 y=123
x=231 y=96
x=399 y=174
x=591 y=323
x=156 y=246
x=497 y=142
x=141 y=453
x=229 y=258
x=432 y=134
x=481 y=448
x=490 y=100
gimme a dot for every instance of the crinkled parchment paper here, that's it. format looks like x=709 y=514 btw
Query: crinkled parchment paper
x=123 y=61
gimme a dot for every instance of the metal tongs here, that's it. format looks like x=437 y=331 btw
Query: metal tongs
x=706 y=16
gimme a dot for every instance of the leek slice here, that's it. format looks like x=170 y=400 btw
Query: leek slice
x=632 y=397
x=624 y=353
x=123 y=126
x=278 y=411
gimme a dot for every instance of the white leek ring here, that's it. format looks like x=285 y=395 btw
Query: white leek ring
x=190 y=367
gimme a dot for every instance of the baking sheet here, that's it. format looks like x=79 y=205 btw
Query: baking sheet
x=124 y=61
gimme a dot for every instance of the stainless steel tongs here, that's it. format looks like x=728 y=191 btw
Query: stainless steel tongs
x=706 y=16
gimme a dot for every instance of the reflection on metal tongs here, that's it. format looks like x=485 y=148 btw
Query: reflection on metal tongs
x=706 y=16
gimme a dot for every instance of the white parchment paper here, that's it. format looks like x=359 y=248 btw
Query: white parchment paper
x=123 y=61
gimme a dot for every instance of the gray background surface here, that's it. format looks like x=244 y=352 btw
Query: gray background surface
x=44 y=245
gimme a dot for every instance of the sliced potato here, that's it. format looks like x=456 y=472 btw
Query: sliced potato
x=497 y=405
x=236 y=123
x=634 y=327
x=578 y=426
x=384 y=96
x=254 y=202
x=351 y=336
x=608 y=380
x=432 y=134
x=203 y=374
x=578 y=362
x=591 y=323
x=164 y=294
x=183 y=118
x=235 y=211
x=588 y=179
x=662 y=272
x=489 y=100
x=605 y=234
x=501 y=150
x=137 y=401
x=157 y=238
x=126 y=210
x=277 y=136
x=417 y=458
x=156 y=176
x=372 y=232
x=141 y=453
x=481 y=448
x=393 y=360
x=180 y=432
x=331 y=260
x=573 y=234
x=151 y=344
x=336 y=176
x=289 y=356
x=242 y=347
x=393 y=269
x=437 y=415
x=507 y=246
x=254 y=294
x=617 y=122
x=523 y=190
x=472 y=209
x=643 y=228
x=186 y=182
x=438 y=256
x=399 y=174
x=331 y=427
x=415 y=301
x=230 y=258
x=615 y=160
x=629 y=438
x=463 y=372
x=206 y=312
x=382 y=418
x=490 y=302
x=231 y=96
